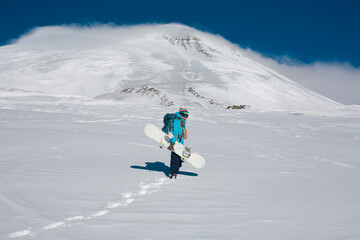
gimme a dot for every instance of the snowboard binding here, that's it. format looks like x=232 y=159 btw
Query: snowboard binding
x=165 y=141
x=186 y=153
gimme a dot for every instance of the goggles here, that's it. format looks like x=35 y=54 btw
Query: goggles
x=185 y=115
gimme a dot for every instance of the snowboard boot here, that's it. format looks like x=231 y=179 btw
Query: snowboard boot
x=173 y=175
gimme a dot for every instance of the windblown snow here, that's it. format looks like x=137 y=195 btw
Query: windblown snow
x=75 y=163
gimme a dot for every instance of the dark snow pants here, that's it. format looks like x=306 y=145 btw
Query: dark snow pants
x=175 y=163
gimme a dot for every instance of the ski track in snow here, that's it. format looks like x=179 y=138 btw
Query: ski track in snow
x=126 y=199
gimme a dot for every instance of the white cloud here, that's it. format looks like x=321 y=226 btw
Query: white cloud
x=78 y=37
x=337 y=81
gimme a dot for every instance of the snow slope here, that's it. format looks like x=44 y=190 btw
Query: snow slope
x=76 y=168
x=174 y=59
x=75 y=163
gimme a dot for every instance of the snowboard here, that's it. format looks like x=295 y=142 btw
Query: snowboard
x=163 y=139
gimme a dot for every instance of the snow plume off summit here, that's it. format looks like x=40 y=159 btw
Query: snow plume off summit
x=172 y=60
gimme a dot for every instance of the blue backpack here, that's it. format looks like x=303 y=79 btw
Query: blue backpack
x=168 y=122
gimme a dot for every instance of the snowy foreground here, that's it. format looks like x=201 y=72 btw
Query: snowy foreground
x=73 y=168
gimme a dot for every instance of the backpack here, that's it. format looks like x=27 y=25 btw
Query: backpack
x=168 y=122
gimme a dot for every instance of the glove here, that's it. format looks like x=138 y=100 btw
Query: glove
x=171 y=147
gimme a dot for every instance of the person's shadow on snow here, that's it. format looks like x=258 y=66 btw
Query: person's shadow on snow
x=161 y=167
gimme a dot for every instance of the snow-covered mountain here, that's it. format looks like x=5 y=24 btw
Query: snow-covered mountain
x=76 y=165
x=168 y=64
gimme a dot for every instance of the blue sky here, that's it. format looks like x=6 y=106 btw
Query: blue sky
x=308 y=31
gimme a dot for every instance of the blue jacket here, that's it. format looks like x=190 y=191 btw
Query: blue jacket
x=177 y=131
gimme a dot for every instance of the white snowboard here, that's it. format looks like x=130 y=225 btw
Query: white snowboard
x=162 y=138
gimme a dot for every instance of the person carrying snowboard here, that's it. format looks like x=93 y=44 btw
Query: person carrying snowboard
x=180 y=133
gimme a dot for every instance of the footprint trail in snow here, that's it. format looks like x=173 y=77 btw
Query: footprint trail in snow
x=126 y=199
